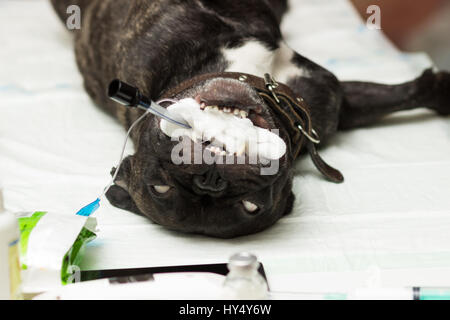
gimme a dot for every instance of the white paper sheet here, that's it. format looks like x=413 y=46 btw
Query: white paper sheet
x=392 y=214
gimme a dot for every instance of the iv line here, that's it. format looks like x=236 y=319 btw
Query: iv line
x=109 y=185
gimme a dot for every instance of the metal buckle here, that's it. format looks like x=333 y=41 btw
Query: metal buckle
x=315 y=139
x=271 y=84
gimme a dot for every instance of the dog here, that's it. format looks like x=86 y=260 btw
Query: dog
x=160 y=45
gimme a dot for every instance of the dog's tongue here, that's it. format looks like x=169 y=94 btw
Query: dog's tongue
x=236 y=135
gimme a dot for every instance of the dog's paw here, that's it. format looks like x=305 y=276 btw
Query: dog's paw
x=442 y=92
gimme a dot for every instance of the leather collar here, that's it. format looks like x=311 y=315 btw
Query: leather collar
x=291 y=108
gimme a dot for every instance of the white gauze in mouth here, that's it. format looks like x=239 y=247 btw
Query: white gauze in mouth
x=228 y=133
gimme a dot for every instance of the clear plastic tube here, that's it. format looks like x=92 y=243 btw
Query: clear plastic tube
x=119 y=163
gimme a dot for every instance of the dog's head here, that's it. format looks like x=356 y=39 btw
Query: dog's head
x=221 y=198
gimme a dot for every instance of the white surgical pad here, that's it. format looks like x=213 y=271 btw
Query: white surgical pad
x=233 y=133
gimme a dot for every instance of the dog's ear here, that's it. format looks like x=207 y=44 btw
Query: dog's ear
x=118 y=194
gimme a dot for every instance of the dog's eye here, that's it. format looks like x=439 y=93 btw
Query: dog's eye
x=250 y=206
x=161 y=189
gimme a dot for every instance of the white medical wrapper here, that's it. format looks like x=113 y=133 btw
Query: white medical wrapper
x=48 y=243
x=389 y=221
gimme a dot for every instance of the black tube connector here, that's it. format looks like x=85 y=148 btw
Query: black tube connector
x=126 y=94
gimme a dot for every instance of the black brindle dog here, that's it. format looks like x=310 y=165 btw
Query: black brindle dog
x=157 y=45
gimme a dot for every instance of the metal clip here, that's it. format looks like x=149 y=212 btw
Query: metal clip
x=271 y=84
x=315 y=139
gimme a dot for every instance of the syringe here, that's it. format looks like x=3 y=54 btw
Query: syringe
x=408 y=293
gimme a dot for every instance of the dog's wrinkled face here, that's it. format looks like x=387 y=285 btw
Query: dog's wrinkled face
x=223 y=199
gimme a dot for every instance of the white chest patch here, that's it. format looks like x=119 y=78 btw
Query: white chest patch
x=255 y=58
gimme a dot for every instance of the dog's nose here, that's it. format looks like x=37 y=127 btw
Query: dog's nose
x=209 y=183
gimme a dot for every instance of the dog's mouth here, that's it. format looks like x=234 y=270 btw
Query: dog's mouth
x=226 y=131
x=237 y=98
x=253 y=113
x=229 y=119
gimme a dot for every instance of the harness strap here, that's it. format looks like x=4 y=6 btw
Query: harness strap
x=293 y=111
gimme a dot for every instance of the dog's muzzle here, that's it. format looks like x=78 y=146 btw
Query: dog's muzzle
x=289 y=107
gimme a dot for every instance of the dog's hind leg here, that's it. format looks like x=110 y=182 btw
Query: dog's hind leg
x=365 y=103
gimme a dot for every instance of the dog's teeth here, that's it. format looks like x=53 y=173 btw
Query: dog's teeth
x=208 y=108
x=236 y=112
x=226 y=110
x=215 y=108
x=202 y=105
x=241 y=150
x=243 y=114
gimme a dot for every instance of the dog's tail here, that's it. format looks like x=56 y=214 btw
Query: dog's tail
x=62 y=7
